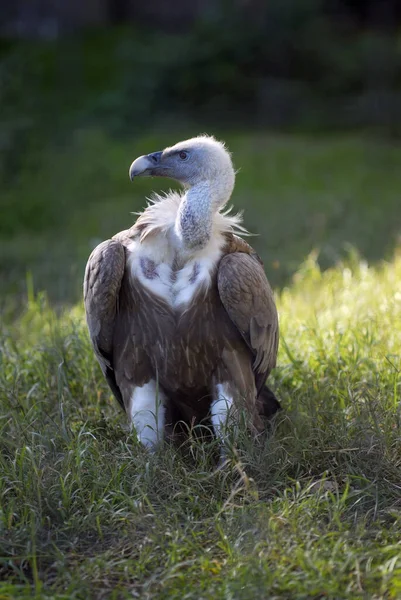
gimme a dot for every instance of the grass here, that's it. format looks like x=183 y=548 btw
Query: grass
x=311 y=511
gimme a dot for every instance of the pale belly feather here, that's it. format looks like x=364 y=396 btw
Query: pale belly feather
x=153 y=265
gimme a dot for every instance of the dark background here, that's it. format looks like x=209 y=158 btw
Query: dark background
x=281 y=63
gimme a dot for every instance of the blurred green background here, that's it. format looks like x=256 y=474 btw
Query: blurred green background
x=306 y=93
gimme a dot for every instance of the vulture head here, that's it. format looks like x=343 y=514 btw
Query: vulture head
x=202 y=163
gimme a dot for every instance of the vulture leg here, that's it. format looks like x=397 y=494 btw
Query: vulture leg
x=221 y=412
x=221 y=409
x=146 y=412
x=229 y=405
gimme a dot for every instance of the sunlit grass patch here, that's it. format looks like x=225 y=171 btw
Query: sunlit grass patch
x=311 y=510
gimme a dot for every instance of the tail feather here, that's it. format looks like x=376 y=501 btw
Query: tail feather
x=268 y=403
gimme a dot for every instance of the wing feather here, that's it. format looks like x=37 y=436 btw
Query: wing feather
x=102 y=283
x=248 y=299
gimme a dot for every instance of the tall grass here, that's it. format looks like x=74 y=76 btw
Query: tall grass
x=312 y=510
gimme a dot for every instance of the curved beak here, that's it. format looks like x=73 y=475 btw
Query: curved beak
x=145 y=166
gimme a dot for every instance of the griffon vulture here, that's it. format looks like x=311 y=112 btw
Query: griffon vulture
x=180 y=314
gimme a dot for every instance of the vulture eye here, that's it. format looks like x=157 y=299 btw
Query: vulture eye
x=183 y=155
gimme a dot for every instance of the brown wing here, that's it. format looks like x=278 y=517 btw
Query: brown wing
x=103 y=276
x=248 y=299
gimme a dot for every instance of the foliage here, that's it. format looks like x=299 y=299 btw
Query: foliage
x=310 y=511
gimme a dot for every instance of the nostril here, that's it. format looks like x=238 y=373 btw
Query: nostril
x=155 y=157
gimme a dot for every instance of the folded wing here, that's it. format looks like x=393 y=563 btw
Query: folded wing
x=103 y=276
x=248 y=299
